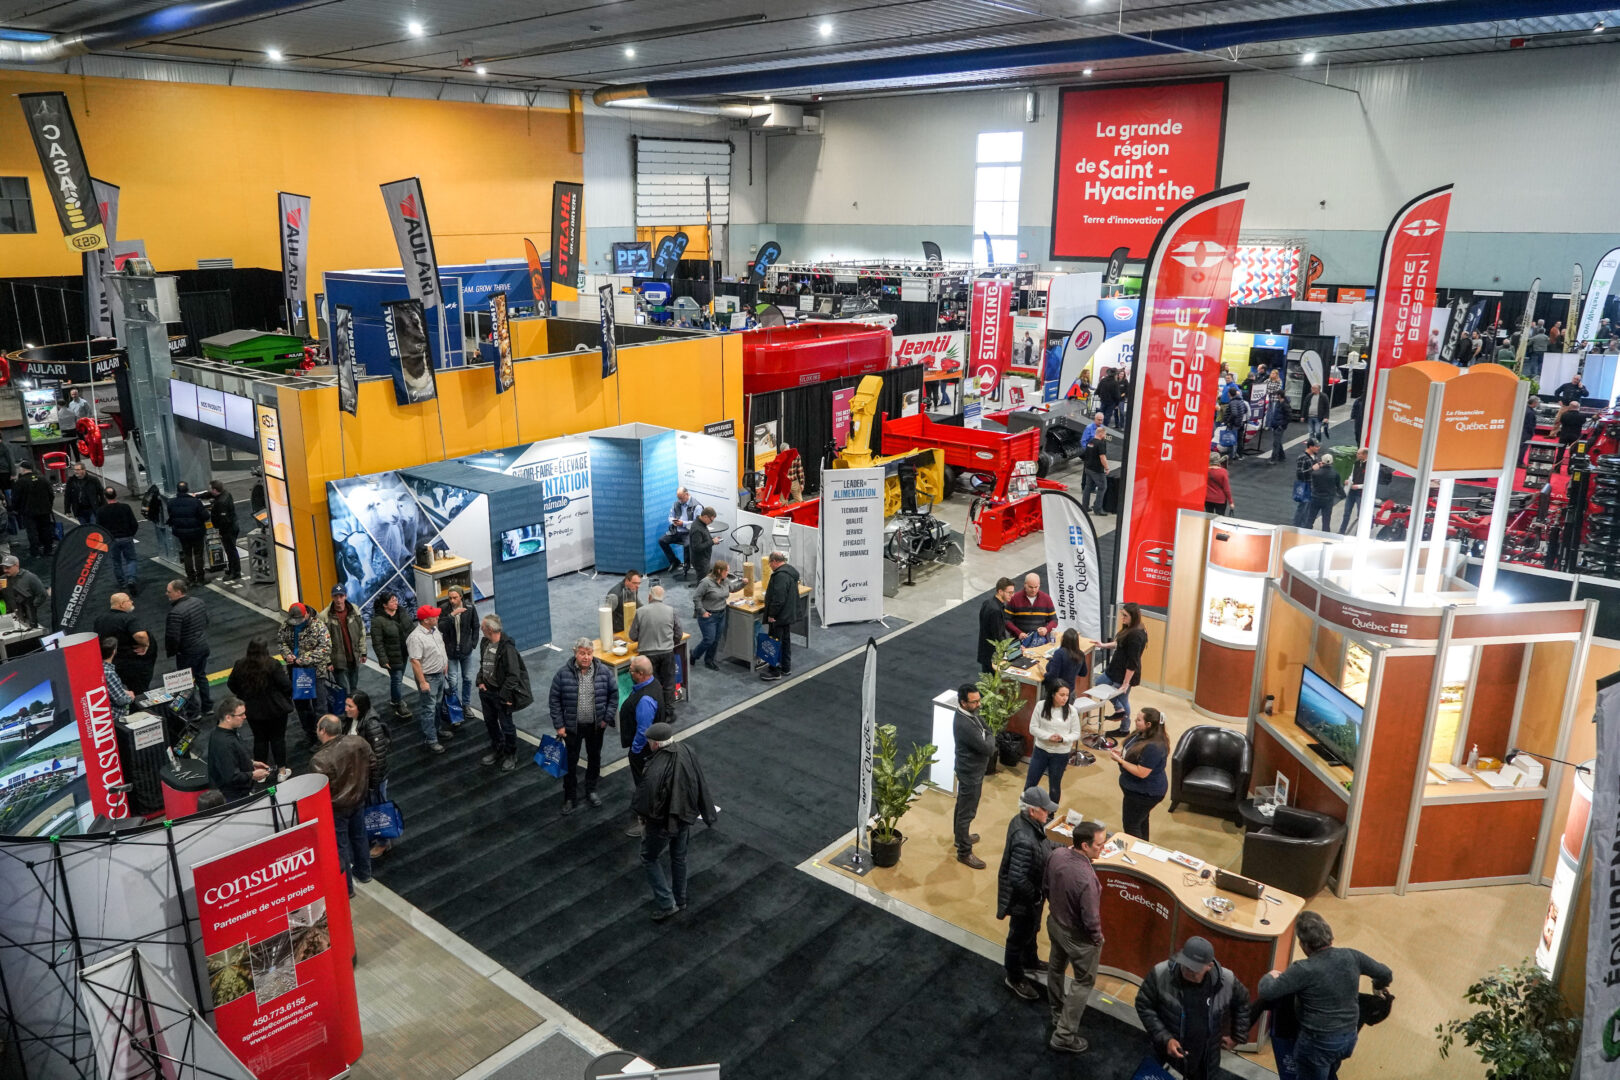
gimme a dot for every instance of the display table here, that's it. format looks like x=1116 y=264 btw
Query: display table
x=435 y=581
x=742 y=626
x=1033 y=678
x=10 y=642
x=620 y=662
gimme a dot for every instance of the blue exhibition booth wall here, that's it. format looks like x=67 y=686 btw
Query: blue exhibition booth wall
x=522 y=598
x=466 y=289
x=633 y=478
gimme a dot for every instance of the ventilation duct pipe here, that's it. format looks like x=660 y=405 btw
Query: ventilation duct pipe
x=135 y=29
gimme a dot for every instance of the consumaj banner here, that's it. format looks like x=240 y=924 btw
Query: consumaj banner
x=276 y=979
x=991 y=323
x=1407 y=269
x=407 y=214
x=1127 y=157
x=1178 y=352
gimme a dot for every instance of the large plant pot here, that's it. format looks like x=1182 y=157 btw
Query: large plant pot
x=990 y=769
x=1010 y=748
x=887 y=852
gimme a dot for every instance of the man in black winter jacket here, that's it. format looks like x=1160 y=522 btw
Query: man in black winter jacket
x=1191 y=1007
x=35 y=500
x=672 y=795
x=185 y=636
x=119 y=520
x=992 y=621
x=188 y=520
x=223 y=516
x=1018 y=889
x=81 y=495
x=781 y=606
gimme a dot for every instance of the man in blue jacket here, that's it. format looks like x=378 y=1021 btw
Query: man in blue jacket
x=584 y=695
x=643 y=707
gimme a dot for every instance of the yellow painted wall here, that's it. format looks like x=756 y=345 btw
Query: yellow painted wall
x=676 y=384
x=199 y=168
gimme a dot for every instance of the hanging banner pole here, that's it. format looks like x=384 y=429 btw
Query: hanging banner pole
x=863 y=809
x=1574 y=308
x=61 y=155
x=1526 y=324
x=1597 y=296
x=292 y=215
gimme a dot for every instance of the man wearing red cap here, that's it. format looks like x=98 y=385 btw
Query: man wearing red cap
x=306 y=643
x=424 y=647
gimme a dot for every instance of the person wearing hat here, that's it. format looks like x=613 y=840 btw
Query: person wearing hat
x=1019 y=889
x=1192 y=1007
x=424 y=647
x=305 y=643
x=1074 y=927
x=1304 y=465
x=670 y=797
x=346 y=631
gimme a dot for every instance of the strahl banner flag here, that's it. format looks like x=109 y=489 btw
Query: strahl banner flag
x=1178 y=350
x=1407 y=269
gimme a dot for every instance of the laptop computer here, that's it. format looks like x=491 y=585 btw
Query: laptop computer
x=1017 y=659
x=1237 y=883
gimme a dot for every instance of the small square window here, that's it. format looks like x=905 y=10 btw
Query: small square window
x=16 y=209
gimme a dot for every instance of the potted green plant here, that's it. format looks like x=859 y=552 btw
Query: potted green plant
x=894 y=789
x=1525 y=1030
x=999 y=701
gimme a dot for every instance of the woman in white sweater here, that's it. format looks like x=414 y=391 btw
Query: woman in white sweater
x=1055 y=729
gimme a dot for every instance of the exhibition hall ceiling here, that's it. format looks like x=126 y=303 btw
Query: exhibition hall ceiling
x=588 y=44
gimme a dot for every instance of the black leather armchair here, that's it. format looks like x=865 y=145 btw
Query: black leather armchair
x=1210 y=770
x=1296 y=852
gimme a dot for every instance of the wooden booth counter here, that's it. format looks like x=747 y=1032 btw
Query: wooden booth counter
x=620 y=662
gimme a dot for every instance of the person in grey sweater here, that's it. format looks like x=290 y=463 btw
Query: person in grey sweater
x=1325 y=985
x=711 y=608
x=974 y=746
x=657 y=632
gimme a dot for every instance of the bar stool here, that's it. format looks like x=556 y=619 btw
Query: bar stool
x=55 y=461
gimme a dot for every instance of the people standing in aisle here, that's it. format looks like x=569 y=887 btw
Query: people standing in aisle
x=118 y=696
x=358 y=719
x=25 y=594
x=1504 y=354
x=135 y=658
x=119 y=521
x=1535 y=353
x=1193 y=1008
x=1094 y=473
x=82 y=495
x=1020 y=884
x=1141 y=762
x=1098 y=423
x=305 y=643
x=681 y=516
x=974 y=748
x=1317 y=404
x=671 y=796
x=1358 y=409
x=1568 y=425
x=1218 y=488
x=8 y=469
x=1467 y=349
x=424 y=648
x=389 y=628
x=185 y=636
x=1303 y=464
x=584 y=698
x=1326 y=490
x=1358 y=484
x=626 y=591
x=642 y=708
x=345 y=761
x=1527 y=429
x=503 y=689
x=188 y=520
x=1054 y=731
x=700 y=543
x=231 y=768
x=1572 y=392
x=459 y=627
x=35 y=500
x=1108 y=396
x=1122 y=412
x=222 y=513
x=993 y=622
x=1124 y=668
x=1326 y=986
x=1066 y=664
x=76 y=408
x=262 y=684
x=781 y=610
x=1555 y=338
x=711 y=607
x=1277 y=414
x=1031 y=615
x=657 y=633
x=347 y=631
x=1074 y=928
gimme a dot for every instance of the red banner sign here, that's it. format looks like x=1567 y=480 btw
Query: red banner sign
x=1127 y=158
x=278 y=943
x=1178 y=351
x=991 y=320
x=1407 y=269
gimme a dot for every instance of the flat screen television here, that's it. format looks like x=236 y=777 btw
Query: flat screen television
x=525 y=540
x=1328 y=716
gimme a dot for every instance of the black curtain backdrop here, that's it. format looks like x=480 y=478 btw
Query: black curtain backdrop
x=805 y=413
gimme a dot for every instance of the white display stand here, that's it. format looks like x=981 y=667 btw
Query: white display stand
x=942 y=773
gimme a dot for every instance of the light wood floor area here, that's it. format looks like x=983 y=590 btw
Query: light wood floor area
x=1436 y=942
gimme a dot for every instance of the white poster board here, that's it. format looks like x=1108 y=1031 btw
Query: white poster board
x=707 y=468
x=563 y=466
x=852 y=548
x=1071 y=296
x=804 y=547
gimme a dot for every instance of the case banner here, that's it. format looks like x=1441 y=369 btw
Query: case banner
x=1407 y=269
x=408 y=358
x=931 y=254
x=1116 y=265
x=407 y=215
x=343 y=357
x=293 y=217
x=1178 y=352
x=61 y=156
x=567 y=219
x=991 y=320
x=275 y=972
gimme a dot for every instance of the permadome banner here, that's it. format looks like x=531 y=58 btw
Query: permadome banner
x=407 y=214
x=1178 y=351
x=61 y=156
x=1407 y=269
x=1127 y=157
x=81 y=583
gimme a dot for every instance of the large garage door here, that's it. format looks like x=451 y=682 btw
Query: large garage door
x=669 y=181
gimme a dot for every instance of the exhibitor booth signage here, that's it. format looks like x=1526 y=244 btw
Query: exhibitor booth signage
x=1127 y=157
x=276 y=975
x=852 y=545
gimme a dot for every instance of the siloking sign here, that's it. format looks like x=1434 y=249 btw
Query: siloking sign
x=1127 y=158
x=991 y=323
